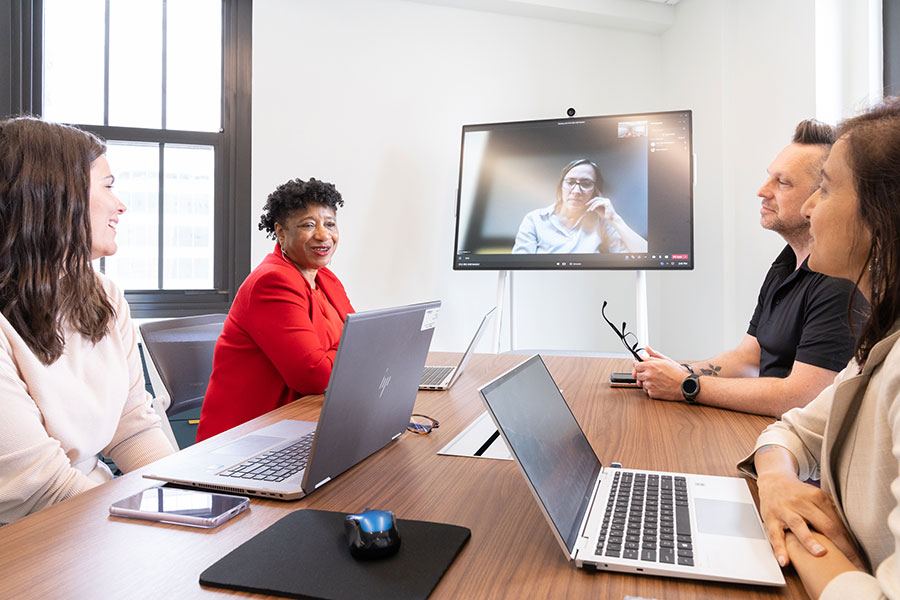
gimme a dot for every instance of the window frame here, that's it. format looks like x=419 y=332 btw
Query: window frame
x=890 y=18
x=21 y=92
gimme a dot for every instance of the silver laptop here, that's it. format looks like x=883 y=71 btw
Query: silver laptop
x=442 y=377
x=368 y=403
x=648 y=522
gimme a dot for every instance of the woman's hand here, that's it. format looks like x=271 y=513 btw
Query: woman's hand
x=603 y=207
x=816 y=572
x=788 y=504
x=603 y=210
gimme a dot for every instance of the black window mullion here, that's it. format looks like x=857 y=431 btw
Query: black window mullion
x=138 y=134
x=20 y=37
x=221 y=236
x=165 y=41
x=161 y=212
x=891 y=46
x=36 y=59
x=162 y=161
x=237 y=67
x=224 y=62
x=220 y=220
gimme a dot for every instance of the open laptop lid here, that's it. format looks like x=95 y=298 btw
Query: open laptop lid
x=548 y=444
x=373 y=387
x=471 y=349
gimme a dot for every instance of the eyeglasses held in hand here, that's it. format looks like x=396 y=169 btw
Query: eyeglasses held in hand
x=629 y=339
x=422 y=424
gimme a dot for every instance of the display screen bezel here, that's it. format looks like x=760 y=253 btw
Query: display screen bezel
x=572 y=262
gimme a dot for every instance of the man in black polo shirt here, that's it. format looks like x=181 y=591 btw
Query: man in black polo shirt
x=799 y=336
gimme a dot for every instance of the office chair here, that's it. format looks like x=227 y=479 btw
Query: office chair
x=181 y=350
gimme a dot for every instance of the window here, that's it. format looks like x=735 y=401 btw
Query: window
x=167 y=84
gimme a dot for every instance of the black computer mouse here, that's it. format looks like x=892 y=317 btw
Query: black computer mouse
x=372 y=534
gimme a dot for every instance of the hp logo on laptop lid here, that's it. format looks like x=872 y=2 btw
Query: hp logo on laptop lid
x=385 y=381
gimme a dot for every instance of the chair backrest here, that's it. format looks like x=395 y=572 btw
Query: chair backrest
x=182 y=351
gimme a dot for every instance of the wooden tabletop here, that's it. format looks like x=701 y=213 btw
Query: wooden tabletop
x=75 y=550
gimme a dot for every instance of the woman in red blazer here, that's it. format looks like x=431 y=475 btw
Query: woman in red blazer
x=281 y=335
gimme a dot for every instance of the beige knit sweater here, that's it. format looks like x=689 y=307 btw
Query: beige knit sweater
x=55 y=419
x=865 y=486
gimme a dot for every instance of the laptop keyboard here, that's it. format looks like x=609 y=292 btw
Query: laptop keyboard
x=274 y=465
x=647 y=518
x=434 y=375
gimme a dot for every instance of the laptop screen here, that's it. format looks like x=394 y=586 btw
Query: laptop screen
x=468 y=353
x=547 y=441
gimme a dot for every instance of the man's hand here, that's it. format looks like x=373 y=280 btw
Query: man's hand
x=786 y=503
x=660 y=376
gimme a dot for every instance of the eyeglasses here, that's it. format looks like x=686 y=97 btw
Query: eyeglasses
x=422 y=424
x=585 y=184
x=629 y=339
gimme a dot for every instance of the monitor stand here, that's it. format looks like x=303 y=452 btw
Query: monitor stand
x=502 y=278
x=504 y=300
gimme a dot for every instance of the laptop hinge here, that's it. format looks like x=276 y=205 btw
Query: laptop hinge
x=321 y=483
x=583 y=537
x=396 y=436
x=579 y=546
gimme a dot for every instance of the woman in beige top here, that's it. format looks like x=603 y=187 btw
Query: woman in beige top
x=71 y=383
x=843 y=536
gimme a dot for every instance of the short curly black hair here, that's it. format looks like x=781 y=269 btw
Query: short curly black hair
x=295 y=195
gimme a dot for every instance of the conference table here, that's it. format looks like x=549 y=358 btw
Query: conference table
x=75 y=550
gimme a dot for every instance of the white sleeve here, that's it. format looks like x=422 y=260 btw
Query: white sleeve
x=526 y=238
x=138 y=439
x=800 y=431
x=34 y=470
x=612 y=241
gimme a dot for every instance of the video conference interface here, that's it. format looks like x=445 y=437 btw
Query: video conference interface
x=607 y=192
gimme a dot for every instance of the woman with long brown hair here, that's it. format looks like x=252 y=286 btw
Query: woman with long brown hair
x=71 y=383
x=842 y=535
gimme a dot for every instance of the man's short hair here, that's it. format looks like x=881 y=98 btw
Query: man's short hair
x=811 y=131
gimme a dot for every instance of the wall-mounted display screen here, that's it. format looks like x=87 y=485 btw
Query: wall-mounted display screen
x=603 y=192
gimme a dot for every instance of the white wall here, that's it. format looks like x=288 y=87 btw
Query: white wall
x=687 y=324
x=849 y=57
x=769 y=87
x=747 y=67
x=371 y=94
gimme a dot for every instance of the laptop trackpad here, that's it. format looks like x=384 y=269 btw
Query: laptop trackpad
x=722 y=517
x=247 y=446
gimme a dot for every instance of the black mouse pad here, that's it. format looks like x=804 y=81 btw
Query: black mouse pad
x=305 y=555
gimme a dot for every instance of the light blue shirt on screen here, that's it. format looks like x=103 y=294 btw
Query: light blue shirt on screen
x=541 y=232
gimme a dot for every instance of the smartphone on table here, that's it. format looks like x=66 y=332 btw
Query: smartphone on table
x=622 y=380
x=177 y=506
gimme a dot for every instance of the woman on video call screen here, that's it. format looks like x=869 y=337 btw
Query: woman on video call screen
x=581 y=221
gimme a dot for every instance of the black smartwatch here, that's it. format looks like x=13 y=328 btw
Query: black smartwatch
x=690 y=387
